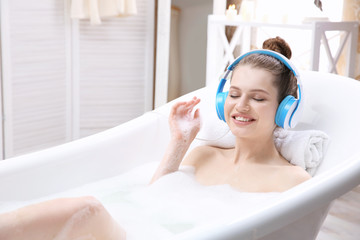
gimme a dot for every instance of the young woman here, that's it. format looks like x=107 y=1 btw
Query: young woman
x=258 y=84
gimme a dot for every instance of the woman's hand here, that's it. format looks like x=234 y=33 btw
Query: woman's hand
x=184 y=125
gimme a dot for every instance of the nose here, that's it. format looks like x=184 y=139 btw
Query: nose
x=242 y=105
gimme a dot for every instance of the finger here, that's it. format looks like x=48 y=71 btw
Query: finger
x=184 y=107
x=189 y=103
x=187 y=108
x=192 y=103
x=197 y=100
x=197 y=114
x=176 y=106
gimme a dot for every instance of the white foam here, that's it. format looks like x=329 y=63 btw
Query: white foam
x=173 y=204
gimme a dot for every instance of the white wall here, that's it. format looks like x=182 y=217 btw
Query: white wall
x=193 y=38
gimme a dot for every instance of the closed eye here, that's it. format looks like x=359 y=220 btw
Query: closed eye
x=259 y=99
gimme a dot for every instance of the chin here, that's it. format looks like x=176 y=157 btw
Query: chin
x=243 y=133
x=248 y=132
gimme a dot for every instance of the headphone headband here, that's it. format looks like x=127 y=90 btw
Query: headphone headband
x=271 y=53
x=290 y=108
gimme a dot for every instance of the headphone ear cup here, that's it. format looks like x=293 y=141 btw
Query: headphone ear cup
x=220 y=102
x=285 y=111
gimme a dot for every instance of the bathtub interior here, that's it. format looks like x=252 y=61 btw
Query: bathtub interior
x=331 y=106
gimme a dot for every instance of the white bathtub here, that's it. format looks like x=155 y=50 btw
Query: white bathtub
x=332 y=105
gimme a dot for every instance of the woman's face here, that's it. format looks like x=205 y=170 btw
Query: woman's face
x=251 y=105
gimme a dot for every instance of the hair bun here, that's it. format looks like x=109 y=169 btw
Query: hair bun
x=278 y=45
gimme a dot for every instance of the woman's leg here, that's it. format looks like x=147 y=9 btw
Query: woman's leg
x=60 y=219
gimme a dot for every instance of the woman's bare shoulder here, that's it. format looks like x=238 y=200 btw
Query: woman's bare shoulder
x=296 y=175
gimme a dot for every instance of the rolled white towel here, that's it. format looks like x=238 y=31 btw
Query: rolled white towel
x=302 y=148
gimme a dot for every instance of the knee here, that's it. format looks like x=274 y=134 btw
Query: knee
x=99 y=220
x=91 y=204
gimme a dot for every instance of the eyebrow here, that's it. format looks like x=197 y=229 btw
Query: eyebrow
x=252 y=90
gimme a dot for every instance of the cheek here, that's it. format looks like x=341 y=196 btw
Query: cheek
x=270 y=112
x=227 y=107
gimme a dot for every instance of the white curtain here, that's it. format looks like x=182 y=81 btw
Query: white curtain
x=97 y=9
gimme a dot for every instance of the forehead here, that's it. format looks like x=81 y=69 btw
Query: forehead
x=247 y=77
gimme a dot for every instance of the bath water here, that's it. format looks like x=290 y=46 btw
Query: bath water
x=173 y=204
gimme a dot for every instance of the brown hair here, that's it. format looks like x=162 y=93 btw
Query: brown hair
x=285 y=80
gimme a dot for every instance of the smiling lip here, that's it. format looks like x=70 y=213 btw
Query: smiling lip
x=243 y=119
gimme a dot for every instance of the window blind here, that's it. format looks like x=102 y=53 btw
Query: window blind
x=64 y=79
x=35 y=86
x=115 y=69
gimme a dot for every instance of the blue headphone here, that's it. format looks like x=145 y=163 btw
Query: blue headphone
x=290 y=108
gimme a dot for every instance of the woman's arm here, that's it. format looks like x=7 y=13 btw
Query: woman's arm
x=184 y=125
